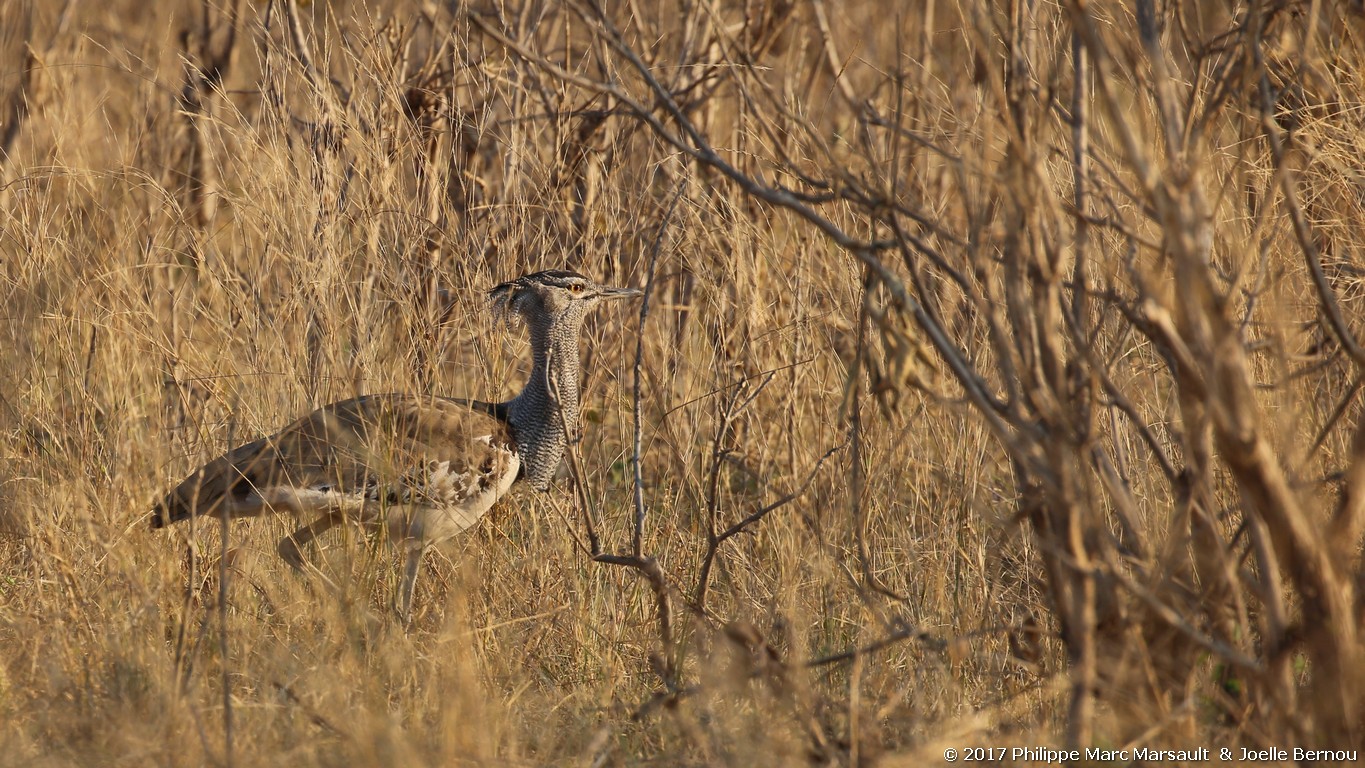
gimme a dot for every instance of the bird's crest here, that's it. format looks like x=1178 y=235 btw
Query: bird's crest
x=503 y=298
x=500 y=299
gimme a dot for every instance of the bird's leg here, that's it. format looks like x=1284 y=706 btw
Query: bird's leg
x=291 y=546
x=412 y=565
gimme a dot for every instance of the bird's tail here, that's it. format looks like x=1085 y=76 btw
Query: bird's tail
x=171 y=509
x=219 y=487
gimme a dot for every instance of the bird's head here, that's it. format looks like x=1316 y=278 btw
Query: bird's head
x=551 y=296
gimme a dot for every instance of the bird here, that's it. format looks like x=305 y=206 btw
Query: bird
x=420 y=467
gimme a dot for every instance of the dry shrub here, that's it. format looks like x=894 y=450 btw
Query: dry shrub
x=998 y=386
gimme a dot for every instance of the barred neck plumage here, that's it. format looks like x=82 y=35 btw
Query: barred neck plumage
x=553 y=304
x=553 y=386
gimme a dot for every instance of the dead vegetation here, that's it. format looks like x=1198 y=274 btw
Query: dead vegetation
x=998 y=383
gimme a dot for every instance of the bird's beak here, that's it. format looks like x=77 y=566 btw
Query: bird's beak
x=619 y=293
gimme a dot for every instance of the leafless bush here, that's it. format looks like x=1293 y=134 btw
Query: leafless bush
x=998 y=382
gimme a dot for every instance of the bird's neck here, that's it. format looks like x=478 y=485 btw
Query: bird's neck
x=545 y=414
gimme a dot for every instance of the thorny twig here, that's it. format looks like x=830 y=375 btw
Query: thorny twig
x=637 y=542
x=696 y=147
x=713 y=544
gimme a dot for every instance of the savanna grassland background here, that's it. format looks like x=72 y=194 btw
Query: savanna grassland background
x=998 y=383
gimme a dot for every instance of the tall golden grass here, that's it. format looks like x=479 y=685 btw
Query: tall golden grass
x=999 y=384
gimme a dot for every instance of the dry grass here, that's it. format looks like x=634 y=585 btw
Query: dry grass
x=204 y=235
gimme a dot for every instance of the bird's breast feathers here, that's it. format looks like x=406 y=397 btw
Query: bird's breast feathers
x=442 y=498
x=442 y=482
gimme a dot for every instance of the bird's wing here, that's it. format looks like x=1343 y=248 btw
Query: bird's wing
x=375 y=448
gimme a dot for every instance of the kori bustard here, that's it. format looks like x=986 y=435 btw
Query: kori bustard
x=424 y=468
